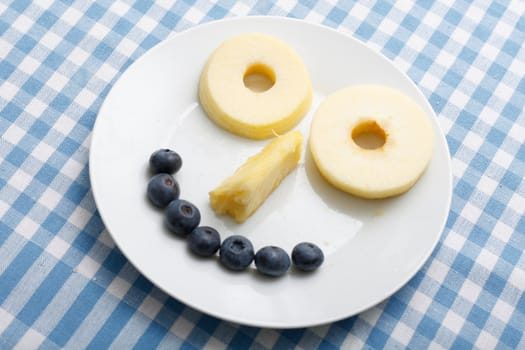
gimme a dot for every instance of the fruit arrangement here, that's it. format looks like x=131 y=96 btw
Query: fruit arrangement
x=370 y=141
x=236 y=252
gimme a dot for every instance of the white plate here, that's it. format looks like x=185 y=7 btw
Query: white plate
x=372 y=248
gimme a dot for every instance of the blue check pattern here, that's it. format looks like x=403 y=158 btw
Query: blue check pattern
x=64 y=284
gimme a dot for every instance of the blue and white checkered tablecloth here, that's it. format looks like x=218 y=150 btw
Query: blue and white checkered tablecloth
x=64 y=284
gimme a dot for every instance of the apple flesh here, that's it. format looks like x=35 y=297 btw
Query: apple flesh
x=371 y=141
x=256 y=86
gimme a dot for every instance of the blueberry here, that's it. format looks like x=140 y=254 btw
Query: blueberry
x=204 y=241
x=165 y=161
x=182 y=217
x=236 y=253
x=162 y=189
x=307 y=256
x=272 y=261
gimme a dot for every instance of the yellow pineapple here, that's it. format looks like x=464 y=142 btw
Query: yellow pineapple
x=242 y=193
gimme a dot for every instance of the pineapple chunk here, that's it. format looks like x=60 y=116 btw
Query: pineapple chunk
x=240 y=195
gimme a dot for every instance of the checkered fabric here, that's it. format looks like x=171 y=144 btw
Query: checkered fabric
x=64 y=284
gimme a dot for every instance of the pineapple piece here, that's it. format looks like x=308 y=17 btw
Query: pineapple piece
x=240 y=195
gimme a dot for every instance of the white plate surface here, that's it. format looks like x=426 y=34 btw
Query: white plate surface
x=372 y=247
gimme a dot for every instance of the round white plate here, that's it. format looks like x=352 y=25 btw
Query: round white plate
x=372 y=247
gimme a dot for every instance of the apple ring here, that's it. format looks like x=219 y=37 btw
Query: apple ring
x=232 y=97
x=371 y=141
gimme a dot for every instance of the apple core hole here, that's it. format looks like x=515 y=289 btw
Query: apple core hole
x=369 y=135
x=259 y=77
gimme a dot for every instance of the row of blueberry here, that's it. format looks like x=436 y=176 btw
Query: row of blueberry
x=236 y=252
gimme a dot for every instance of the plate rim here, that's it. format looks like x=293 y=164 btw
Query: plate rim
x=348 y=36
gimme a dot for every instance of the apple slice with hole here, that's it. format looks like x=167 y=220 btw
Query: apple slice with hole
x=256 y=86
x=371 y=141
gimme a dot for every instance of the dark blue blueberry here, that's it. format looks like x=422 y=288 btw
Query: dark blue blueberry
x=182 y=217
x=236 y=253
x=204 y=241
x=272 y=261
x=162 y=189
x=307 y=256
x=165 y=161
